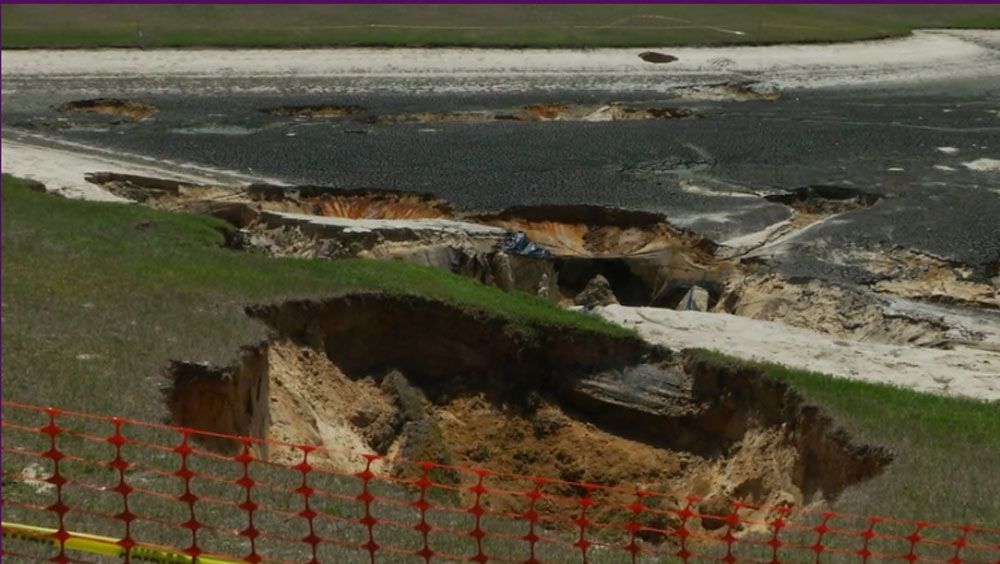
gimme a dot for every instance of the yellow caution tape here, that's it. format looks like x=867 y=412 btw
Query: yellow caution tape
x=107 y=546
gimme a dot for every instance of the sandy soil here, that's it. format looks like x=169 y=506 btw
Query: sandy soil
x=62 y=169
x=928 y=54
x=961 y=371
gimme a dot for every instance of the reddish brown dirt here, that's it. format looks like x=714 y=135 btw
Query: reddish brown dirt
x=110 y=106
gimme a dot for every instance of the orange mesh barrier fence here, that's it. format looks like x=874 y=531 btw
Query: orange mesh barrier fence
x=77 y=485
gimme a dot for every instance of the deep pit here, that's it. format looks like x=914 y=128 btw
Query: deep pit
x=647 y=260
x=110 y=106
x=417 y=379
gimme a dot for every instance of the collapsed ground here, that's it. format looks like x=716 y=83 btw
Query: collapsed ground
x=415 y=379
x=592 y=256
x=105 y=296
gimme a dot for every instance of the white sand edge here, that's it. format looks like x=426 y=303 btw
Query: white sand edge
x=961 y=372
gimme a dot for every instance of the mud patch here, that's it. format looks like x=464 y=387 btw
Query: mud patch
x=420 y=380
x=546 y=112
x=110 y=106
x=315 y=111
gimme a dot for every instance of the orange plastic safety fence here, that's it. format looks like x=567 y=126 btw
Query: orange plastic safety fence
x=144 y=483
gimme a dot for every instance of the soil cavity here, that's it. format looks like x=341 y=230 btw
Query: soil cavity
x=110 y=106
x=418 y=379
x=588 y=254
x=812 y=203
x=242 y=205
x=647 y=260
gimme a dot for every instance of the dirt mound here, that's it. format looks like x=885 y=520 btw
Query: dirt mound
x=615 y=111
x=321 y=111
x=421 y=380
x=110 y=106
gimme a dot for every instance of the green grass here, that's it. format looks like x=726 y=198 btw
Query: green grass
x=105 y=294
x=98 y=297
x=480 y=26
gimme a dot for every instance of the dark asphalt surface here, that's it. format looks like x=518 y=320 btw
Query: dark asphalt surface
x=846 y=137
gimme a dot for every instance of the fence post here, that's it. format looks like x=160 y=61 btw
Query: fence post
x=188 y=497
x=58 y=480
x=122 y=488
x=307 y=513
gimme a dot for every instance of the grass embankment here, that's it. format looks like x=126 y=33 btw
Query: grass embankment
x=98 y=297
x=478 y=26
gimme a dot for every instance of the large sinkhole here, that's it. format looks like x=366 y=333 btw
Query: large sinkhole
x=554 y=251
x=421 y=380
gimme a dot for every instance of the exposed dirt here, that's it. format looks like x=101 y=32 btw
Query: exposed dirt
x=558 y=251
x=351 y=204
x=646 y=259
x=311 y=200
x=615 y=111
x=320 y=111
x=835 y=310
x=226 y=400
x=420 y=380
x=584 y=230
x=919 y=276
x=111 y=106
x=312 y=402
x=812 y=203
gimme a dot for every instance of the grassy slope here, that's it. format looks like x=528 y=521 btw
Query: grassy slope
x=506 y=26
x=85 y=280
x=134 y=287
